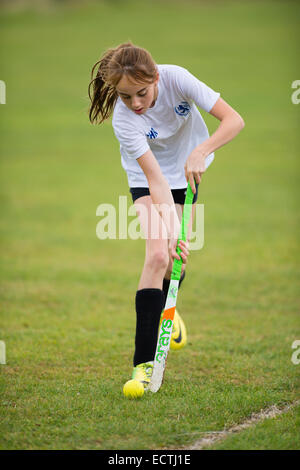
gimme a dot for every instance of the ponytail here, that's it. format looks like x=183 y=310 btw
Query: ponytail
x=125 y=59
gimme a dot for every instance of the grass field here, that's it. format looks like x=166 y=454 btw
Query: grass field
x=67 y=298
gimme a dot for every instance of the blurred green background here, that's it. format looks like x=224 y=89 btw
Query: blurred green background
x=67 y=298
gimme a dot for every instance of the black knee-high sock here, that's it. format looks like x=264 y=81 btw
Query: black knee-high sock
x=166 y=283
x=149 y=304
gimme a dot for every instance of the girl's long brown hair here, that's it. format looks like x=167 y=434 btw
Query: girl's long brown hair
x=125 y=59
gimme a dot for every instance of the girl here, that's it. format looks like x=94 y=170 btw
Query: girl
x=164 y=143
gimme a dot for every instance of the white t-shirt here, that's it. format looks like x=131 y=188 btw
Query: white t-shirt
x=172 y=128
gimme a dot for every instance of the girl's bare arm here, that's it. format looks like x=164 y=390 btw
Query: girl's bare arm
x=231 y=123
x=162 y=197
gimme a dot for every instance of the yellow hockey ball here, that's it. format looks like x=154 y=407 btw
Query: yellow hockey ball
x=133 y=389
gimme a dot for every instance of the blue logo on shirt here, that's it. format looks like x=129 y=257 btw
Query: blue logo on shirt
x=152 y=134
x=183 y=108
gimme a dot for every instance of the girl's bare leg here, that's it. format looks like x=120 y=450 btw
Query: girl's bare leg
x=157 y=255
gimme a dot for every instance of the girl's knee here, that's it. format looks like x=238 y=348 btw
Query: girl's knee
x=158 y=259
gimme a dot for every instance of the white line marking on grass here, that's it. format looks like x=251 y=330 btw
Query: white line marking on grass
x=212 y=437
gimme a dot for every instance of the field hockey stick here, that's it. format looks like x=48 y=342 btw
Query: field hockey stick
x=165 y=331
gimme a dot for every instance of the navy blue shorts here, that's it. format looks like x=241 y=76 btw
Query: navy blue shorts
x=178 y=194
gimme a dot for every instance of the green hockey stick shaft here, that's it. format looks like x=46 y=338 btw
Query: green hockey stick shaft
x=165 y=331
x=187 y=208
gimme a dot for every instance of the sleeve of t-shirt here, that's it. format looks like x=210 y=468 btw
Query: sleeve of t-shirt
x=192 y=88
x=132 y=139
